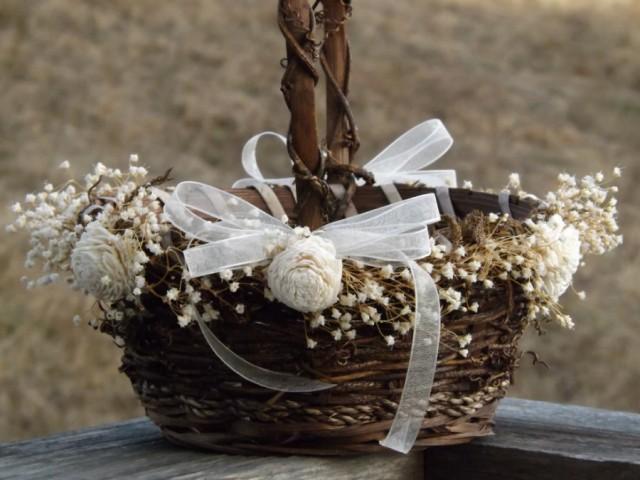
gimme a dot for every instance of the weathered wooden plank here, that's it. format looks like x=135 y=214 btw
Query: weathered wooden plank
x=546 y=441
x=134 y=450
x=535 y=440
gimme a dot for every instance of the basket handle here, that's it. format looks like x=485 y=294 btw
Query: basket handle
x=317 y=201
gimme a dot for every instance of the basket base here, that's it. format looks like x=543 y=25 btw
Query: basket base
x=235 y=438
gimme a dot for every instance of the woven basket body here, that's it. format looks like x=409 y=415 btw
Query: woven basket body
x=197 y=401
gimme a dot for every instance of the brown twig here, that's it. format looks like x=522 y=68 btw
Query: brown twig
x=296 y=21
x=335 y=58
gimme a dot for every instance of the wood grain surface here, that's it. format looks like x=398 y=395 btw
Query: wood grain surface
x=534 y=440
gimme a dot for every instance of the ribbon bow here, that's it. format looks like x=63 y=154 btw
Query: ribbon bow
x=395 y=233
x=402 y=161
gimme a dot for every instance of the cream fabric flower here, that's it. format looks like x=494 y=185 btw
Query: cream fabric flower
x=561 y=257
x=306 y=276
x=102 y=263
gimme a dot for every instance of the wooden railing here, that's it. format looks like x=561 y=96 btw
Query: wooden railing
x=534 y=440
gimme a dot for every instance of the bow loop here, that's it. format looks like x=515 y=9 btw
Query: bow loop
x=415 y=149
x=250 y=163
x=390 y=233
x=235 y=230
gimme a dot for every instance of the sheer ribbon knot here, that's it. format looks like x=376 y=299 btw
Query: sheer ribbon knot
x=402 y=161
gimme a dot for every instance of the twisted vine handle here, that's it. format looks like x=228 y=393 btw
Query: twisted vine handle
x=315 y=168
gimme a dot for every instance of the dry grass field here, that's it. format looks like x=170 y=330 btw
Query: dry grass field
x=535 y=86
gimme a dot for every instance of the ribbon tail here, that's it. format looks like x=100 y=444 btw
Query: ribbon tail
x=414 y=400
x=281 y=382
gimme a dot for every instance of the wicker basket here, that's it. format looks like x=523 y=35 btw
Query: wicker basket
x=197 y=401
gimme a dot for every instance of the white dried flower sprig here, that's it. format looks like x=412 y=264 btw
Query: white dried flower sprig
x=576 y=220
x=370 y=297
x=208 y=295
x=590 y=206
x=124 y=217
x=51 y=218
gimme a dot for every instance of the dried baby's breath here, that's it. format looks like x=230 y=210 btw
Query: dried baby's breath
x=471 y=258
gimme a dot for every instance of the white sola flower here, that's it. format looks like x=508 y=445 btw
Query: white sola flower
x=306 y=276
x=102 y=263
x=561 y=254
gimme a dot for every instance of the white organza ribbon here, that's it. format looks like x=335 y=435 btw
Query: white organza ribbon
x=402 y=161
x=238 y=234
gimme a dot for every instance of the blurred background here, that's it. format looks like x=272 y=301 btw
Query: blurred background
x=536 y=87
